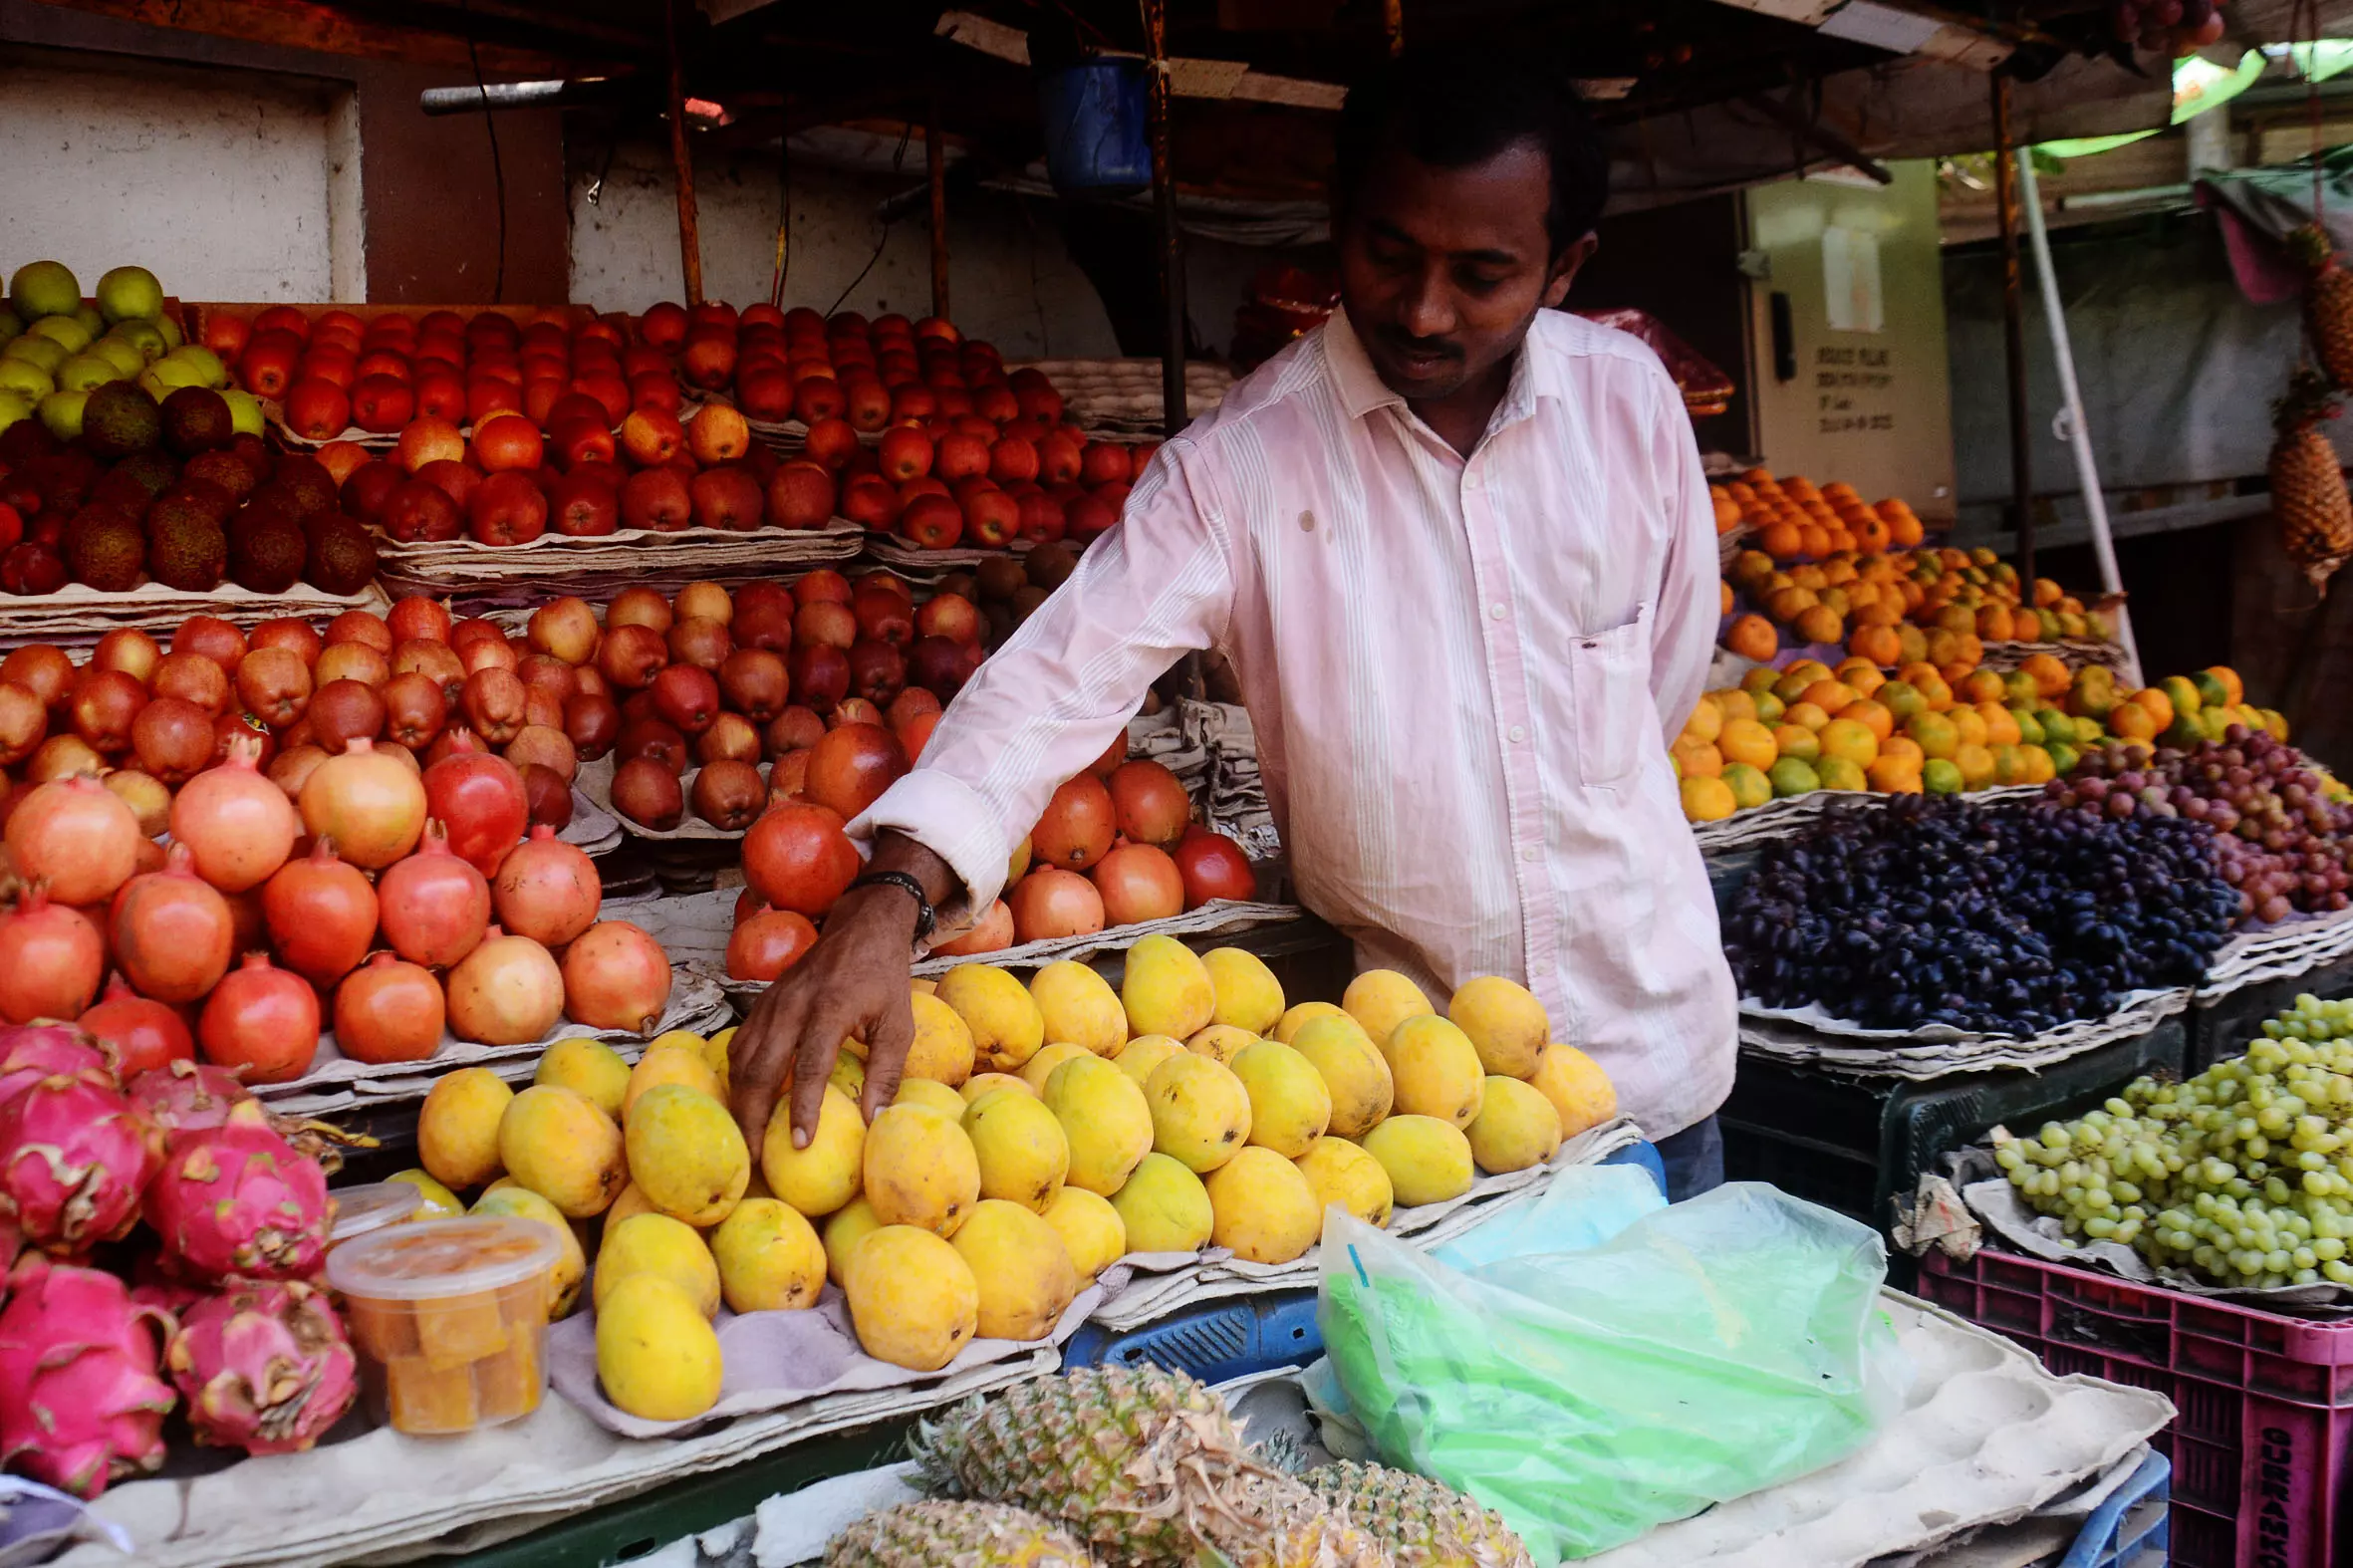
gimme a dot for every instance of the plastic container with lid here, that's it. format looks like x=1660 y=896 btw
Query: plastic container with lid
x=361 y=1210
x=450 y=1319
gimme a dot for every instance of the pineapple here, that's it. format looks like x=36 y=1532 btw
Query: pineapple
x=1142 y=1463
x=1424 y=1523
x=1282 y=1524
x=2307 y=487
x=954 y=1535
x=2328 y=301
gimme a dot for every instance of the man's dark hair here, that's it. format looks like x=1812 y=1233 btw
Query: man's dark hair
x=1456 y=105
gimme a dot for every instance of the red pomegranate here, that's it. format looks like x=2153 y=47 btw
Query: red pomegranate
x=50 y=960
x=768 y=943
x=389 y=1010
x=1075 y=828
x=1051 y=903
x=262 y=1022
x=480 y=802
x=1149 y=804
x=547 y=889
x=1213 y=866
x=797 y=858
x=172 y=930
x=143 y=1034
x=321 y=914
x=238 y=826
x=616 y=977
x=433 y=907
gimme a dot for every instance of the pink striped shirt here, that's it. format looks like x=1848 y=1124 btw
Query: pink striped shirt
x=1462 y=675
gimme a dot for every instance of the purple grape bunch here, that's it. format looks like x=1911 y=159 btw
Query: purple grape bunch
x=2283 y=844
x=2005 y=918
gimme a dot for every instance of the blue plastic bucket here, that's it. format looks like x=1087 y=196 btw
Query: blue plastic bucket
x=1095 y=118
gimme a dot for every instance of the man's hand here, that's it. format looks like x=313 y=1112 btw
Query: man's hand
x=855 y=981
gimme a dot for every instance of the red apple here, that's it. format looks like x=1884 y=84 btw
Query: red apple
x=931 y=522
x=584 y=504
x=657 y=498
x=652 y=437
x=421 y=510
x=507 y=509
x=726 y=498
x=820 y=676
x=870 y=501
x=883 y=616
x=687 y=697
x=824 y=621
x=878 y=671
x=950 y=616
x=992 y=518
x=801 y=495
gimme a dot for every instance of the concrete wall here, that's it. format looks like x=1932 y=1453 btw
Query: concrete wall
x=219 y=183
x=1011 y=279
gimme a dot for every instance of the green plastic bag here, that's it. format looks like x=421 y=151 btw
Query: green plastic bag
x=1707 y=1351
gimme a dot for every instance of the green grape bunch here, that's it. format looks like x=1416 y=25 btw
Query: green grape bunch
x=2241 y=1175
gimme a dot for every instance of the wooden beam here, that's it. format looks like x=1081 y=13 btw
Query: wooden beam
x=320 y=29
x=682 y=160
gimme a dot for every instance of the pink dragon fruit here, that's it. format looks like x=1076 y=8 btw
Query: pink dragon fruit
x=30 y=1052
x=265 y=1367
x=237 y=1200
x=154 y=1284
x=80 y=1401
x=74 y=1160
x=187 y=1097
x=190 y=1097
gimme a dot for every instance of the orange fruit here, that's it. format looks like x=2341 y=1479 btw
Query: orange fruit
x=1831 y=696
x=1872 y=716
x=1934 y=732
x=1787 y=604
x=1758 y=679
x=1813 y=539
x=2002 y=725
x=1956 y=669
x=1820 y=623
x=1805 y=715
x=1708 y=800
x=2049 y=675
x=1780 y=540
x=1937 y=693
x=1993 y=624
x=1871 y=533
x=1862 y=677
x=1752 y=637
x=1745 y=740
x=1724 y=605
x=1727 y=511
x=2132 y=721
x=2160 y=706
x=1795 y=740
x=2038 y=767
x=1982 y=685
x=1875 y=640
x=1894 y=775
x=1844 y=740
x=1697 y=758
x=1902 y=698
x=1837 y=773
x=1904 y=530
x=1902 y=746
x=1732 y=702
x=1976 y=766
x=1807 y=575
x=1705 y=722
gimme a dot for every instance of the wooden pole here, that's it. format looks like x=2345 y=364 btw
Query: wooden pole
x=1174 y=414
x=2013 y=327
x=935 y=174
x=682 y=162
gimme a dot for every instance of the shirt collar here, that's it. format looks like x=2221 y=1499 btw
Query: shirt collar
x=1360 y=388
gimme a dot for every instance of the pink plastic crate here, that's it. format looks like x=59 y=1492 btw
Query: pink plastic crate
x=2262 y=1447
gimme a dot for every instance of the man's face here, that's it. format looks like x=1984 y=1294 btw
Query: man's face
x=1442 y=269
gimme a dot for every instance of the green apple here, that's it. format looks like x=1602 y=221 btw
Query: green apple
x=91 y=322
x=13 y=408
x=202 y=361
x=45 y=352
x=85 y=370
x=144 y=337
x=244 y=410
x=62 y=412
x=172 y=332
x=64 y=330
x=25 y=379
x=130 y=294
x=9 y=326
x=124 y=357
x=44 y=288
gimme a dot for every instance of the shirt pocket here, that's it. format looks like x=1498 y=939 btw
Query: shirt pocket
x=1610 y=683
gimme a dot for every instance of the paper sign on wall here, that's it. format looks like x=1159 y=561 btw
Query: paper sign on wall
x=1851 y=293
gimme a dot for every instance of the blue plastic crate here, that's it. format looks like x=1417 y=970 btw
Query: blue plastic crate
x=1222 y=1340
x=2129 y=1529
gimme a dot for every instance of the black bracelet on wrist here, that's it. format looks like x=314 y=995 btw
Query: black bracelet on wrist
x=926 y=917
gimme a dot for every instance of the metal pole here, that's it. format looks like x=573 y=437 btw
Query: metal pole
x=2079 y=435
x=682 y=162
x=1174 y=414
x=936 y=174
x=2013 y=327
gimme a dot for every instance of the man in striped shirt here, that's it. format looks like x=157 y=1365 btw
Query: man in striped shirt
x=1458 y=549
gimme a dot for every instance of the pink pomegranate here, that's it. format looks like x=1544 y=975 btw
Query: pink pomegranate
x=237 y=1200
x=30 y=1052
x=264 y=1366
x=74 y=1158
x=80 y=1401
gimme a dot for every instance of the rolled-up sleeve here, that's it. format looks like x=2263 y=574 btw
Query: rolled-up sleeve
x=1159 y=585
x=1682 y=639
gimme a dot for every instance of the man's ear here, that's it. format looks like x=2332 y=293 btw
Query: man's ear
x=1565 y=267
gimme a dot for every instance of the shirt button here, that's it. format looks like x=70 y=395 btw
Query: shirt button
x=1528 y=854
x=1496 y=611
x=1518 y=733
x=1541 y=969
x=1470 y=482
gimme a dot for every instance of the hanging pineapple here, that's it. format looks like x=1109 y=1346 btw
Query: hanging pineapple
x=2307 y=487
x=2328 y=301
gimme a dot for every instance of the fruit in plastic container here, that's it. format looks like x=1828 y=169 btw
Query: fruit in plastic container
x=238 y=1200
x=81 y=1404
x=74 y=1157
x=266 y=1367
x=570 y=1270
